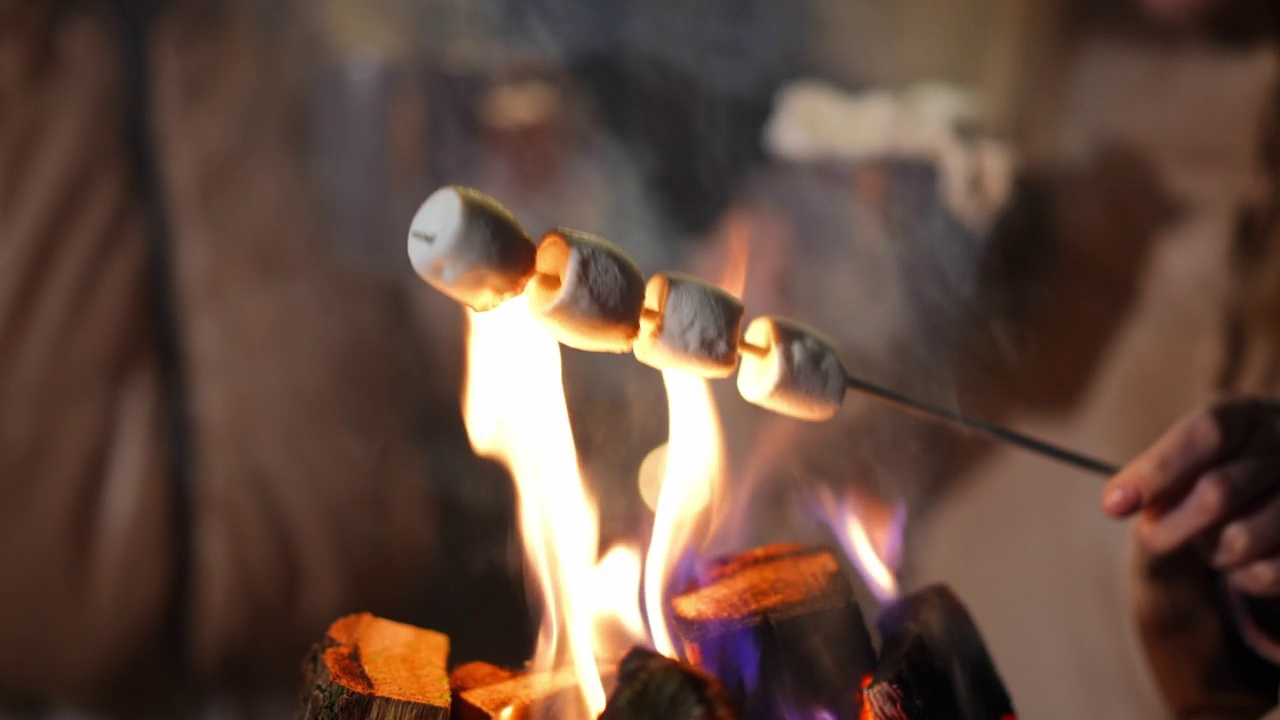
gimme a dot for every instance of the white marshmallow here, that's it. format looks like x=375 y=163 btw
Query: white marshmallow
x=468 y=246
x=586 y=291
x=689 y=326
x=798 y=374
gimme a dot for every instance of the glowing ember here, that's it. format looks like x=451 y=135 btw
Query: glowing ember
x=515 y=413
x=871 y=536
x=866 y=713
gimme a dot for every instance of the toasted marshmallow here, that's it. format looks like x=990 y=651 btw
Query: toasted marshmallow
x=586 y=291
x=689 y=326
x=791 y=370
x=468 y=246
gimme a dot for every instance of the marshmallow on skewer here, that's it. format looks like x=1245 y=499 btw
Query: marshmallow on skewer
x=689 y=326
x=790 y=369
x=586 y=291
x=468 y=246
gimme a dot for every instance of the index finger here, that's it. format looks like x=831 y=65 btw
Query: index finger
x=1169 y=466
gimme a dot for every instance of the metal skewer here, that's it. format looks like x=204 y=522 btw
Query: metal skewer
x=962 y=422
x=940 y=414
x=994 y=432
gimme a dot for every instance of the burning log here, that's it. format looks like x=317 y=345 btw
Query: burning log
x=934 y=665
x=781 y=630
x=654 y=686
x=368 y=668
x=485 y=692
x=477 y=674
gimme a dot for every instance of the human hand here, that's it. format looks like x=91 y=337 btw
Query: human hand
x=1213 y=482
x=1206 y=497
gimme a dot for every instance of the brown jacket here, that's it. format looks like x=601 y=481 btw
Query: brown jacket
x=204 y=456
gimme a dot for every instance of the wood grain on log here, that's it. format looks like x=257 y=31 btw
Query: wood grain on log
x=515 y=697
x=779 y=627
x=368 y=668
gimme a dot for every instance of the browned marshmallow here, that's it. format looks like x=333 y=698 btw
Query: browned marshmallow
x=689 y=326
x=791 y=370
x=469 y=247
x=586 y=291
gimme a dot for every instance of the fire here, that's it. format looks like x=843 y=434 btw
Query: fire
x=694 y=470
x=515 y=412
x=617 y=621
x=871 y=537
x=693 y=463
x=866 y=713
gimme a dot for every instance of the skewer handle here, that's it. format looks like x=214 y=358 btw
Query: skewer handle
x=995 y=432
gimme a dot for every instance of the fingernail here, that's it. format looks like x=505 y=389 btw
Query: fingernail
x=1231 y=546
x=1120 y=501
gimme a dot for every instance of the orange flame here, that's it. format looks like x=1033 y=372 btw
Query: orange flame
x=694 y=464
x=870 y=535
x=617 y=621
x=694 y=470
x=515 y=413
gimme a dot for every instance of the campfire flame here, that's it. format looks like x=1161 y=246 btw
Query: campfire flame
x=618 y=622
x=870 y=534
x=694 y=464
x=515 y=413
x=694 y=471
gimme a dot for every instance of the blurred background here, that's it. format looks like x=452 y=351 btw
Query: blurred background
x=229 y=411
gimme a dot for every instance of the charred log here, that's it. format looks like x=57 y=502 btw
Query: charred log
x=368 y=668
x=934 y=664
x=780 y=629
x=653 y=686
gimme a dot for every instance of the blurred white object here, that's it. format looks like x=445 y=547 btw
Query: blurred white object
x=816 y=121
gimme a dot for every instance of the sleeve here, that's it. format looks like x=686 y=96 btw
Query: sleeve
x=84 y=521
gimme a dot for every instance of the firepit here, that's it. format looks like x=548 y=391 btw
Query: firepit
x=774 y=632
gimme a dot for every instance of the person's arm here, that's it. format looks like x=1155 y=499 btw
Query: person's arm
x=1205 y=498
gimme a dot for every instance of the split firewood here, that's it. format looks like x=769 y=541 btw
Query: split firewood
x=368 y=668
x=934 y=664
x=779 y=627
x=477 y=674
x=654 y=686
x=730 y=564
x=486 y=692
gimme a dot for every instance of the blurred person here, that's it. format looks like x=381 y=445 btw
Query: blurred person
x=1206 y=495
x=210 y=429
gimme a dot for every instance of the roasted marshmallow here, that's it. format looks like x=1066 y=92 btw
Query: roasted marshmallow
x=689 y=326
x=468 y=246
x=586 y=291
x=791 y=370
